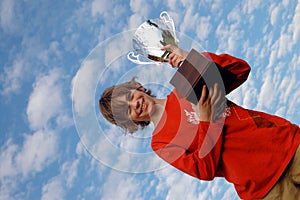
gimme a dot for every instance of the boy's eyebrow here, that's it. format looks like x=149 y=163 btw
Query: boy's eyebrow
x=129 y=95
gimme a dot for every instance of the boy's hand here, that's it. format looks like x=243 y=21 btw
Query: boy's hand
x=177 y=56
x=209 y=102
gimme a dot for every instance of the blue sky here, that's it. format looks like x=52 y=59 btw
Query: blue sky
x=57 y=56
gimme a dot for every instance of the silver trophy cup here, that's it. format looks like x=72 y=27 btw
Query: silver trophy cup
x=150 y=37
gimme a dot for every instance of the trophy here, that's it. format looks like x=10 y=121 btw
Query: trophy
x=150 y=37
x=193 y=73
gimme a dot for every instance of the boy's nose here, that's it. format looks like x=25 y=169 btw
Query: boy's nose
x=134 y=104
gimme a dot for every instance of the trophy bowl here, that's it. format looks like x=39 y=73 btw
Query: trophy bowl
x=150 y=37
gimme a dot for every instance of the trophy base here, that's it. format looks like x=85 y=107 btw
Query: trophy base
x=157 y=59
x=197 y=71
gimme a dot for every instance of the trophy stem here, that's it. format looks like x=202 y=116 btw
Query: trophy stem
x=149 y=39
x=166 y=54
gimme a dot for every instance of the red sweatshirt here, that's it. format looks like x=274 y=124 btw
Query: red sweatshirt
x=248 y=148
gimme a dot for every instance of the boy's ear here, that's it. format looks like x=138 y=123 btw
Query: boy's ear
x=136 y=123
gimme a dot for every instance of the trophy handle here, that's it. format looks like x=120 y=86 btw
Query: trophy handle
x=135 y=58
x=164 y=15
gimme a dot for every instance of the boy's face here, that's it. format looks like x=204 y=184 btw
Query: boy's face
x=140 y=105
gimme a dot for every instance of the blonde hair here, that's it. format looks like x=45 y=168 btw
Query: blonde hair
x=116 y=112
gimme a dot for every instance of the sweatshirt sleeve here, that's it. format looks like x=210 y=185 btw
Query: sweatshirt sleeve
x=202 y=162
x=236 y=66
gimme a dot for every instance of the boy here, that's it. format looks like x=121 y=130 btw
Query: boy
x=257 y=152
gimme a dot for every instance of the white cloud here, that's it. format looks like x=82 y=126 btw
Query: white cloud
x=281 y=111
x=45 y=56
x=12 y=77
x=45 y=102
x=7 y=187
x=111 y=13
x=274 y=11
x=7 y=162
x=83 y=85
x=37 y=152
x=294 y=27
x=250 y=6
x=134 y=21
x=168 y=177
x=101 y=6
x=173 y=4
x=80 y=149
x=190 y=20
x=204 y=28
x=267 y=94
x=289 y=32
x=56 y=187
x=7 y=15
x=295 y=63
x=176 y=191
x=285 y=44
x=286 y=87
x=249 y=93
x=64 y=121
x=53 y=190
x=285 y=3
x=121 y=186
x=294 y=102
x=179 y=185
x=229 y=36
x=235 y=15
x=23 y=64
x=70 y=171
x=128 y=155
x=142 y=7
x=216 y=6
x=140 y=11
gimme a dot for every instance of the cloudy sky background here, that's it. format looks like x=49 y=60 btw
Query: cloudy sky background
x=48 y=48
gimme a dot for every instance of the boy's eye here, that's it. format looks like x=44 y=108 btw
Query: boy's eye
x=128 y=111
x=128 y=97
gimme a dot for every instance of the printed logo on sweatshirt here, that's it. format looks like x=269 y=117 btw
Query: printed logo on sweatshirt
x=193 y=118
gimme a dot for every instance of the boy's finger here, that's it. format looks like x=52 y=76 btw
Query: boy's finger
x=167 y=47
x=203 y=95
